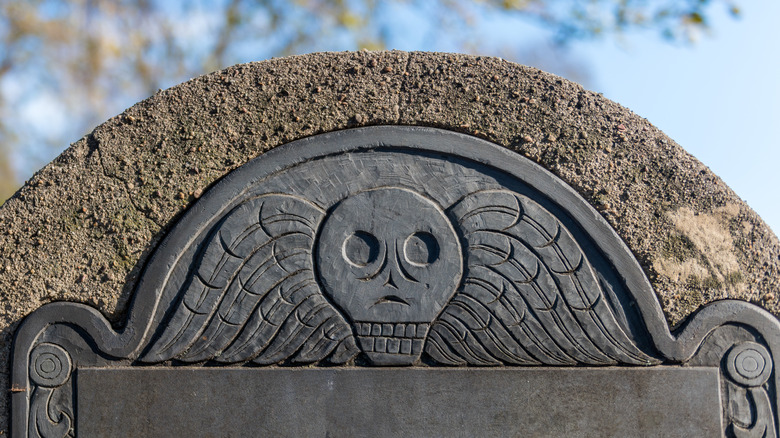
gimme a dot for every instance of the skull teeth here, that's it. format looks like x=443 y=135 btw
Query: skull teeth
x=382 y=344
x=400 y=330
x=404 y=339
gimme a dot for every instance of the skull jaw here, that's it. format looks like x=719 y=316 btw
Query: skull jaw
x=392 y=344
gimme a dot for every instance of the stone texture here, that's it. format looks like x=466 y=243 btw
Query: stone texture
x=400 y=403
x=82 y=227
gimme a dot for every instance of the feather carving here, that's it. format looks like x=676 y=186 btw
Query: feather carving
x=251 y=295
x=530 y=296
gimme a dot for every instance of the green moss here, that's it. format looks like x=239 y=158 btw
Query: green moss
x=72 y=220
x=131 y=220
x=123 y=257
x=679 y=247
x=711 y=282
x=689 y=300
x=734 y=278
x=601 y=197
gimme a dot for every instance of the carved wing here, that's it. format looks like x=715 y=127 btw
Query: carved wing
x=252 y=294
x=529 y=296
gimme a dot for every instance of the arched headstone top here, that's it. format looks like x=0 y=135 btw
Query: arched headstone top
x=403 y=227
x=83 y=228
x=413 y=248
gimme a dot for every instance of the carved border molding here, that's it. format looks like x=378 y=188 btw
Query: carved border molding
x=499 y=263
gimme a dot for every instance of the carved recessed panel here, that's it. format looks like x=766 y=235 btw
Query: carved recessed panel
x=392 y=246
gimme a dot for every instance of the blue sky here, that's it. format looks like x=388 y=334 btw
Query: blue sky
x=719 y=99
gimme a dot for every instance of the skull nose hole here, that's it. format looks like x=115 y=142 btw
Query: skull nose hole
x=389 y=282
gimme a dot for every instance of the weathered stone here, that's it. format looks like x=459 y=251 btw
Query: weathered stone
x=402 y=246
x=400 y=403
x=82 y=228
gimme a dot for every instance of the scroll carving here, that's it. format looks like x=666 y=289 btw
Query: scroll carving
x=50 y=369
x=393 y=246
x=749 y=365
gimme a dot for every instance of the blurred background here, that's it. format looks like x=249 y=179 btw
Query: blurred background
x=706 y=72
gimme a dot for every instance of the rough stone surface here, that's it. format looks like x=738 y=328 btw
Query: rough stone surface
x=82 y=227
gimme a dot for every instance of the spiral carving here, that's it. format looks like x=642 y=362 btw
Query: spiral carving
x=50 y=365
x=749 y=364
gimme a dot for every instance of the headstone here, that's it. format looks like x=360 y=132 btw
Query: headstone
x=373 y=276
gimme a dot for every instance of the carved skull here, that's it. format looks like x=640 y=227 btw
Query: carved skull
x=390 y=259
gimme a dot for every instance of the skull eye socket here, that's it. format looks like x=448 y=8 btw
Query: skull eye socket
x=360 y=249
x=421 y=249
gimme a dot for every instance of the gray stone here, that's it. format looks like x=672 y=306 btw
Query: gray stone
x=84 y=227
x=396 y=246
x=132 y=402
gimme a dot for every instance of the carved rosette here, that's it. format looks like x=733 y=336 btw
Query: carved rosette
x=749 y=366
x=50 y=369
x=393 y=246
